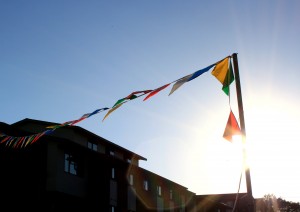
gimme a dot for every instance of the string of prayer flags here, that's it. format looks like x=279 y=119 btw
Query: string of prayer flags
x=222 y=71
x=120 y=102
x=20 y=142
x=16 y=142
x=71 y=123
x=232 y=127
x=87 y=115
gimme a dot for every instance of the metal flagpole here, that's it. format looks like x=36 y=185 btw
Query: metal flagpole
x=250 y=200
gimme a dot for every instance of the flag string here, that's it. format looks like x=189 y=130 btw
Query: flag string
x=222 y=71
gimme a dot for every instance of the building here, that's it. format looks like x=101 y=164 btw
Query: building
x=74 y=169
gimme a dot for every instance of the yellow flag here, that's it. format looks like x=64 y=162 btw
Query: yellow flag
x=221 y=70
x=112 y=110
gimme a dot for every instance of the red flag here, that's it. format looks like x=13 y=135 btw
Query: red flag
x=232 y=128
x=156 y=91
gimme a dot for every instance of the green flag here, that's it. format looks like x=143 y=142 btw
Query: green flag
x=229 y=78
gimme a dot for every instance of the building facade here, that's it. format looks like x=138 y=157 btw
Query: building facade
x=73 y=169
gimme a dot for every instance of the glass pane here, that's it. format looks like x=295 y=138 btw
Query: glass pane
x=67 y=164
x=113 y=173
x=89 y=145
x=73 y=167
x=146 y=185
x=95 y=147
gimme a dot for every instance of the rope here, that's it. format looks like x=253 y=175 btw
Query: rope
x=237 y=194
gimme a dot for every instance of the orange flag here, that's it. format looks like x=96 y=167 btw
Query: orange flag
x=221 y=70
x=232 y=128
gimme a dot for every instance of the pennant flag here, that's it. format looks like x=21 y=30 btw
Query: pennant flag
x=198 y=73
x=60 y=125
x=119 y=101
x=78 y=120
x=133 y=94
x=232 y=128
x=190 y=77
x=156 y=91
x=221 y=70
x=98 y=111
x=112 y=110
x=5 y=139
x=180 y=83
x=228 y=79
x=29 y=140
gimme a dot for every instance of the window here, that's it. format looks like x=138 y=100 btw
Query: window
x=92 y=146
x=145 y=185
x=171 y=194
x=112 y=173
x=183 y=203
x=158 y=190
x=71 y=164
x=130 y=179
x=112 y=153
x=112 y=209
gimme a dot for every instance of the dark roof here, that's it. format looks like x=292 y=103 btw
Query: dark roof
x=82 y=131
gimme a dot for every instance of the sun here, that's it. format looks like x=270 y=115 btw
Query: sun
x=272 y=143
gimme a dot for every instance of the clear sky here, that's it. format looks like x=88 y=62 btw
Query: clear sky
x=60 y=59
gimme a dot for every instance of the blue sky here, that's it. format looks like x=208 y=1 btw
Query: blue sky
x=62 y=59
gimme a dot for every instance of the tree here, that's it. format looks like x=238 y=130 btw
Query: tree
x=270 y=203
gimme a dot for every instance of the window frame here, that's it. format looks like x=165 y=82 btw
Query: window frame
x=146 y=185
x=113 y=173
x=130 y=179
x=171 y=194
x=71 y=164
x=92 y=146
x=159 y=190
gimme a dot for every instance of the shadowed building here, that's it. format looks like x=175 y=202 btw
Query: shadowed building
x=73 y=168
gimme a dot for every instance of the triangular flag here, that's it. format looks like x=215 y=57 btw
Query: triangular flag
x=228 y=79
x=119 y=101
x=112 y=110
x=221 y=70
x=133 y=94
x=97 y=111
x=232 y=128
x=79 y=120
x=156 y=91
x=180 y=83
x=198 y=73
